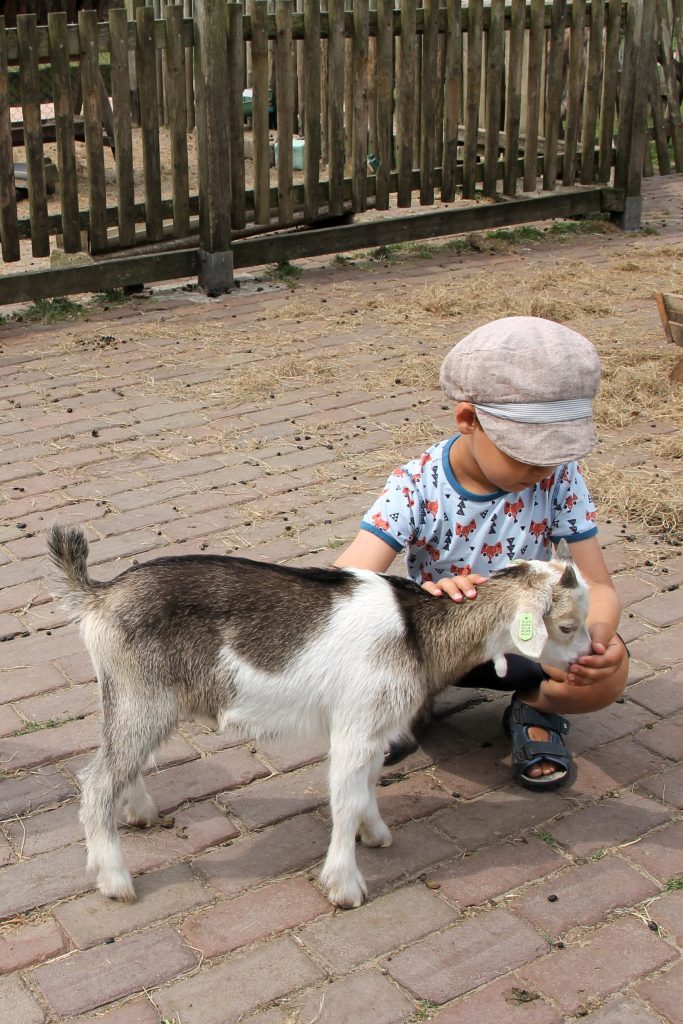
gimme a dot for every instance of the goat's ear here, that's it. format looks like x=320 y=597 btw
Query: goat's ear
x=568 y=577
x=563 y=552
x=528 y=632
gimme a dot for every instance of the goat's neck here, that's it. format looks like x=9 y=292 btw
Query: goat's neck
x=455 y=637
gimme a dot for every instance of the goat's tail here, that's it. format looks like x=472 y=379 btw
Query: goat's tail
x=68 y=548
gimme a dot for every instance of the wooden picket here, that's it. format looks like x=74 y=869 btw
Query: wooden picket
x=389 y=106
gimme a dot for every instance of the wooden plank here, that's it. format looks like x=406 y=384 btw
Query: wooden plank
x=94 y=139
x=659 y=121
x=33 y=136
x=123 y=136
x=671 y=312
x=9 y=226
x=335 y=131
x=514 y=96
x=211 y=85
x=405 y=103
x=554 y=94
x=145 y=63
x=312 y=108
x=610 y=81
x=157 y=5
x=428 y=95
x=235 y=56
x=284 y=63
x=385 y=100
x=189 y=66
x=645 y=53
x=494 y=69
x=474 y=59
x=590 y=102
x=534 y=91
x=666 y=54
x=359 y=148
x=176 y=119
x=259 y=117
x=64 y=128
x=452 y=98
x=574 y=90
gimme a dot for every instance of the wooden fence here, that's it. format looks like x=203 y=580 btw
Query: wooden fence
x=380 y=108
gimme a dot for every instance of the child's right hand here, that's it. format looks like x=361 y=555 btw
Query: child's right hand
x=456 y=587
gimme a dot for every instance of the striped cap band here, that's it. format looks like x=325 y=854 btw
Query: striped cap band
x=540 y=412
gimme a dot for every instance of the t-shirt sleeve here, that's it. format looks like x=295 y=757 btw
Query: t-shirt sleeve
x=574 y=515
x=393 y=516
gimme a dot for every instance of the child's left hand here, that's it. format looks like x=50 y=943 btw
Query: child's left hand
x=609 y=653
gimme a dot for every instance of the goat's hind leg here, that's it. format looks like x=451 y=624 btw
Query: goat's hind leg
x=101 y=790
x=373 y=831
x=137 y=806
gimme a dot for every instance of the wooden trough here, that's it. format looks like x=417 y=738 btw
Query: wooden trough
x=671 y=312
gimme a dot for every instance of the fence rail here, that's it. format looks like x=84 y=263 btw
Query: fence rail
x=359 y=107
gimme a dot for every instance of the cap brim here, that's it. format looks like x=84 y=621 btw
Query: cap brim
x=540 y=444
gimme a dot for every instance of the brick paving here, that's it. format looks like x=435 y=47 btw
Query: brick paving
x=259 y=423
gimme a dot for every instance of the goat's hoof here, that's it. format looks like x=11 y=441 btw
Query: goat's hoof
x=144 y=815
x=116 y=885
x=377 y=837
x=348 y=895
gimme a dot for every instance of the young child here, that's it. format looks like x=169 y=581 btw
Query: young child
x=507 y=486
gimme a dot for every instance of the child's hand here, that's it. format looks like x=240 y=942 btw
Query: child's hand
x=457 y=587
x=609 y=653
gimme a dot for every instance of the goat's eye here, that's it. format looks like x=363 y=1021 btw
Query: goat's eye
x=566 y=629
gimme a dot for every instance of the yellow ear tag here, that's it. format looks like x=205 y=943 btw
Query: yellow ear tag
x=526 y=626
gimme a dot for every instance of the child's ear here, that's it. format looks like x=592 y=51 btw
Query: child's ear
x=466 y=418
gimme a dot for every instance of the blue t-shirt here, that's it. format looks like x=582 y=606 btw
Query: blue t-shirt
x=447 y=530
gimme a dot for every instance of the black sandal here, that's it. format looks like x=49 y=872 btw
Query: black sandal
x=527 y=752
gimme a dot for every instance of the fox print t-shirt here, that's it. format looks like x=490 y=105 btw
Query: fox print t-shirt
x=447 y=530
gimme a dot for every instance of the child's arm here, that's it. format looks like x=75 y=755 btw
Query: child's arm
x=604 y=610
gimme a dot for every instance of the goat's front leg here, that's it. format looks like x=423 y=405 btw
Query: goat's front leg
x=373 y=830
x=348 y=800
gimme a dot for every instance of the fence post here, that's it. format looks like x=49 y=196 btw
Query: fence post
x=213 y=145
x=638 y=52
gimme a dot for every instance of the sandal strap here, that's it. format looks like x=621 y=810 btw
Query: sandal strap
x=524 y=714
x=530 y=751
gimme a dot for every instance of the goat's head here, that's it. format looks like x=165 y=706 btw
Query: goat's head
x=548 y=620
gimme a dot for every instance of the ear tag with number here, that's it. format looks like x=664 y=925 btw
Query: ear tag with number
x=526 y=626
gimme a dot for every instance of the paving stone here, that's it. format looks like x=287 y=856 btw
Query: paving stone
x=498 y=815
x=502 y=1000
x=476 y=771
x=610 y=822
x=345 y=941
x=252 y=979
x=92 y=919
x=17 y=1002
x=18 y=683
x=622 y=1011
x=613 y=957
x=668 y=913
x=134 y=1011
x=665 y=993
x=201 y=778
x=365 y=996
x=23 y=945
x=417 y=795
x=662 y=694
x=49 y=745
x=667 y=787
x=585 y=894
x=41 y=788
x=66 y=703
x=85 y=980
x=601 y=771
x=49 y=830
x=284 y=848
x=254 y=916
x=664 y=738
x=483 y=948
x=481 y=876
x=662 y=650
x=661 y=610
x=42 y=879
x=415 y=847
x=632 y=588
x=274 y=799
x=590 y=731
x=9 y=721
x=195 y=828
x=660 y=853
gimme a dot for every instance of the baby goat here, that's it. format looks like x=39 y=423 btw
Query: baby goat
x=277 y=651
